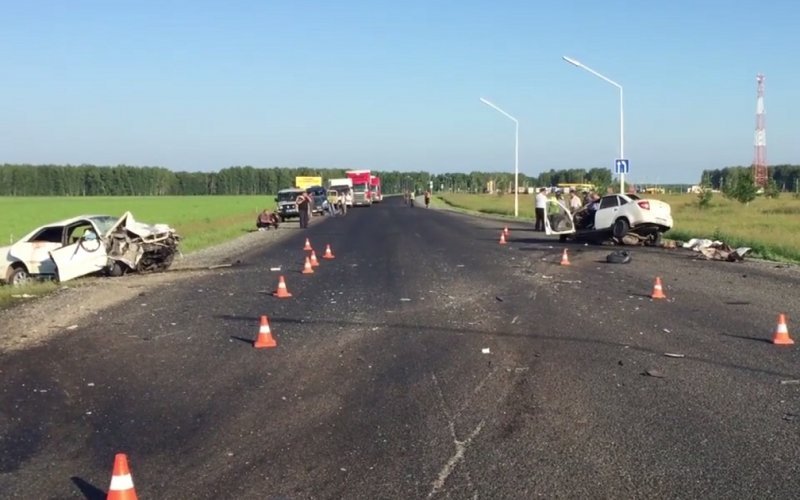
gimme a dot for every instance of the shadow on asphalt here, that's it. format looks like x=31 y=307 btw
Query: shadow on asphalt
x=89 y=491
x=242 y=339
x=745 y=337
x=529 y=336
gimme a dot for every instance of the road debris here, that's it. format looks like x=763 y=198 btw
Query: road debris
x=72 y=327
x=498 y=298
x=278 y=268
x=674 y=355
x=716 y=250
x=486 y=350
x=513 y=321
x=667 y=330
x=405 y=299
x=790 y=382
x=653 y=373
x=619 y=257
x=23 y=296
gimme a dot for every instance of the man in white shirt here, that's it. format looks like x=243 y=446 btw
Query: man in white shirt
x=575 y=202
x=541 y=203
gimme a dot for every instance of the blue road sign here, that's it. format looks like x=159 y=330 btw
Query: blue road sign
x=621 y=166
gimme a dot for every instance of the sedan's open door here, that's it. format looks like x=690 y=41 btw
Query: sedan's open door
x=86 y=256
x=557 y=218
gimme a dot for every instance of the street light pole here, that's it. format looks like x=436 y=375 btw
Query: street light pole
x=516 y=152
x=621 y=114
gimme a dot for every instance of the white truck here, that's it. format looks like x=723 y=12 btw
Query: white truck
x=342 y=186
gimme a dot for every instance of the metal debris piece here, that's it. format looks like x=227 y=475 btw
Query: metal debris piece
x=653 y=373
x=674 y=355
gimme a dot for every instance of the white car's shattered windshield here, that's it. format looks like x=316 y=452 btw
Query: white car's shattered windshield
x=104 y=222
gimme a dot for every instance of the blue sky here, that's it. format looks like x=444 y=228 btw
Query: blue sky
x=201 y=85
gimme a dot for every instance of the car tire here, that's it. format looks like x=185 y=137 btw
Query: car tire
x=117 y=269
x=620 y=229
x=18 y=275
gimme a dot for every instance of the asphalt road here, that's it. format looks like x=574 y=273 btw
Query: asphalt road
x=381 y=385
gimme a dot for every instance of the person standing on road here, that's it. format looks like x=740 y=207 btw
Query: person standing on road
x=541 y=203
x=575 y=202
x=304 y=208
x=427 y=199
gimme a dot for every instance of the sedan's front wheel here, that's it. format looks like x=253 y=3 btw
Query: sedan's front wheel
x=18 y=276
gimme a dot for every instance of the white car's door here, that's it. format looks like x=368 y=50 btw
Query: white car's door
x=83 y=257
x=557 y=218
x=607 y=213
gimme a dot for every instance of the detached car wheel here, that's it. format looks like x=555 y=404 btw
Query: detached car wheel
x=620 y=229
x=117 y=269
x=18 y=276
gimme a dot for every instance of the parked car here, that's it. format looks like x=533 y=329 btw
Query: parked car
x=88 y=244
x=625 y=218
x=287 y=203
x=320 y=199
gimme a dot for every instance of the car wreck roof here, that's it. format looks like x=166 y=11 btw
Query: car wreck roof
x=72 y=220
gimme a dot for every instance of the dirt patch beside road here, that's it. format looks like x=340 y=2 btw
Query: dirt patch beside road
x=31 y=323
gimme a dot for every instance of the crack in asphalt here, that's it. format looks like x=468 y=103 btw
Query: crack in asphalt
x=460 y=446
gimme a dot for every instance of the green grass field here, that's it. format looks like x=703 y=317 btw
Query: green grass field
x=202 y=221
x=771 y=227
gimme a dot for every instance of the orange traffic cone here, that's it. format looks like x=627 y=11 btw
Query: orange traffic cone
x=308 y=245
x=505 y=230
x=265 y=338
x=502 y=238
x=328 y=254
x=121 y=481
x=307 y=269
x=314 y=261
x=658 y=290
x=282 y=292
x=782 y=332
x=564 y=258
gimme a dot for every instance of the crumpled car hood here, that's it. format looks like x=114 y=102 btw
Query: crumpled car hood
x=140 y=229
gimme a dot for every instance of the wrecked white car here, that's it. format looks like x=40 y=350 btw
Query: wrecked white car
x=86 y=245
x=624 y=218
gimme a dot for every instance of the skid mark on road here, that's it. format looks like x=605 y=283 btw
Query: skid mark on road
x=460 y=446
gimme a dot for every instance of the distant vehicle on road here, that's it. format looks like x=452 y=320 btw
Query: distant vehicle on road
x=361 y=187
x=626 y=218
x=375 y=188
x=342 y=187
x=287 y=203
x=319 y=196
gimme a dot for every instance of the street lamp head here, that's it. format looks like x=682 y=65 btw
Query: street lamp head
x=571 y=61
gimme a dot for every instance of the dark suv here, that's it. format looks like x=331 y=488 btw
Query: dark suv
x=320 y=197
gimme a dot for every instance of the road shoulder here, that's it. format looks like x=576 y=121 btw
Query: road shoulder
x=30 y=323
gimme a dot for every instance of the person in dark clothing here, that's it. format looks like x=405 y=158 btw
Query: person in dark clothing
x=304 y=207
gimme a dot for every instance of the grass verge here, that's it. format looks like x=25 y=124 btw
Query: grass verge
x=202 y=221
x=769 y=226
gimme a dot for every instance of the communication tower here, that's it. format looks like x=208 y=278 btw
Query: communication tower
x=760 y=171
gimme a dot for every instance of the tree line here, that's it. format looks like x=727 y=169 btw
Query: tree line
x=782 y=177
x=124 y=180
